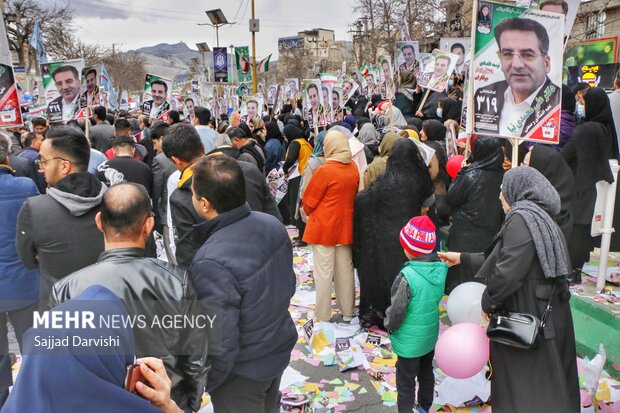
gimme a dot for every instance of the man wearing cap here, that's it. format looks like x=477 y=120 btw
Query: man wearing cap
x=124 y=167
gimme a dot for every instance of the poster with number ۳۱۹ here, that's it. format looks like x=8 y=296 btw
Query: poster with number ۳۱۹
x=516 y=75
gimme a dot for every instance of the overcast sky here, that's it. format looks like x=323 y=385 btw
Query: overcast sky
x=139 y=23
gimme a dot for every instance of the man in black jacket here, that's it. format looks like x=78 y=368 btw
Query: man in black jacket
x=56 y=231
x=251 y=291
x=182 y=145
x=124 y=167
x=148 y=288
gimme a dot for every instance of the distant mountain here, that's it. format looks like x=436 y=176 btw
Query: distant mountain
x=179 y=50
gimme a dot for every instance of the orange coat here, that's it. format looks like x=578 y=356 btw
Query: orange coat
x=328 y=201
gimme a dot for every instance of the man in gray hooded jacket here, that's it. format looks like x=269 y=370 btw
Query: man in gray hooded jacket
x=56 y=232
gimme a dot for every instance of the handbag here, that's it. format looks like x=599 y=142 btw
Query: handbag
x=516 y=329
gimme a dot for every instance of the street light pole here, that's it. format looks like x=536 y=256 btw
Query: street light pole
x=254 y=87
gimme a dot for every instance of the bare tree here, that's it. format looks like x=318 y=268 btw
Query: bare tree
x=53 y=21
x=127 y=71
x=56 y=29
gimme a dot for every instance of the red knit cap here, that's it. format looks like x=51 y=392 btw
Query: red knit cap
x=418 y=236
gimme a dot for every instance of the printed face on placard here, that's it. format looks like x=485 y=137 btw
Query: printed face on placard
x=313 y=95
x=158 y=92
x=252 y=108
x=67 y=83
x=523 y=63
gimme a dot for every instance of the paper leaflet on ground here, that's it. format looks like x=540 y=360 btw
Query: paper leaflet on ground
x=461 y=392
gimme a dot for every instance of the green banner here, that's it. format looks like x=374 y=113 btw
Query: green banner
x=244 y=52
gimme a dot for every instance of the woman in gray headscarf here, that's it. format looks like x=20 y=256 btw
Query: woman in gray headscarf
x=525 y=266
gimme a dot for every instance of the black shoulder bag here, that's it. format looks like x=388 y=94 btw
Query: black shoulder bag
x=517 y=329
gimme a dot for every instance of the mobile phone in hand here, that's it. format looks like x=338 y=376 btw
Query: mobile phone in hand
x=134 y=375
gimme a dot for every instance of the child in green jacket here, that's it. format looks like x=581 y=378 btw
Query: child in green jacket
x=413 y=316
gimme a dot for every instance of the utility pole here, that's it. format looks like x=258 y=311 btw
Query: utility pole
x=114 y=48
x=253 y=29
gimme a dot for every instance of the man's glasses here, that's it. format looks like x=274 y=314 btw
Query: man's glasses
x=40 y=163
x=527 y=56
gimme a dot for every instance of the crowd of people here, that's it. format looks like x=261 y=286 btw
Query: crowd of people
x=178 y=217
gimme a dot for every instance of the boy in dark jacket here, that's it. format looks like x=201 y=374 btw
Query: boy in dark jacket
x=413 y=317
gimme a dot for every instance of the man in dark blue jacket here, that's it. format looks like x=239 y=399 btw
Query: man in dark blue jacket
x=244 y=272
x=19 y=286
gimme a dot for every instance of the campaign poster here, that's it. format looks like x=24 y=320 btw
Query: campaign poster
x=327 y=100
x=62 y=88
x=387 y=77
x=567 y=8
x=407 y=57
x=313 y=110
x=437 y=71
x=251 y=107
x=157 y=96
x=124 y=103
x=272 y=91
x=359 y=81
x=372 y=84
x=347 y=87
x=291 y=89
x=189 y=106
x=517 y=73
x=91 y=79
x=10 y=111
x=459 y=46
x=337 y=104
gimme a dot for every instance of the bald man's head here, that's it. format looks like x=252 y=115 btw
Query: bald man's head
x=124 y=211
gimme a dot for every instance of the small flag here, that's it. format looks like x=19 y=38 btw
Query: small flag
x=106 y=83
x=365 y=70
x=263 y=65
x=36 y=42
x=242 y=63
x=328 y=78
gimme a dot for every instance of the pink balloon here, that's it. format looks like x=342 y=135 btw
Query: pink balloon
x=462 y=350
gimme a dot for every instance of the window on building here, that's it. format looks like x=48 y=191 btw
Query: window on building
x=596 y=25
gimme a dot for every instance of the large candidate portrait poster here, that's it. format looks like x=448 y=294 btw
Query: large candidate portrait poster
x=62 y=88
x=407 y=57
x=157 y=96
x=291 y=89
x=437 y=71
x=91 y=79
x=517 y=73
x=314 y=111
x=460 y=47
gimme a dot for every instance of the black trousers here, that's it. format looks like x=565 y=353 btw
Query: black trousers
x=292 y=194
x=407 y=370
x=22 y=321
x=240 y=394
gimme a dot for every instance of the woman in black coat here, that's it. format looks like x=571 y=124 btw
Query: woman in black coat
x=552 y=165
x=474 y=203
x=594 y=142
x=525 y=269
x=381 y=211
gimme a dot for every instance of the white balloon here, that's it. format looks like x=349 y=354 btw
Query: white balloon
x=464 y=303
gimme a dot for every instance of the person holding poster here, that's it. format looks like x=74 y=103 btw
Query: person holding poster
x=526 y=99
x=158 y=104
x=437 y=72
x=67 y=81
